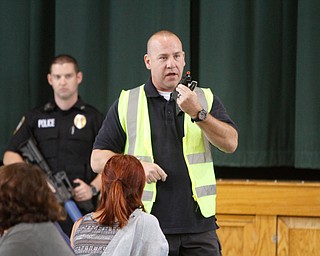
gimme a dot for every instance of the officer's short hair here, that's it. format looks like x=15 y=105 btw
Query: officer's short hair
x=65 y=58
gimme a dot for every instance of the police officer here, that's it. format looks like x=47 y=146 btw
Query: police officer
x=64 y=129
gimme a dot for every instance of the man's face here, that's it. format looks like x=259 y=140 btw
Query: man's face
x=165 y=60
x=64 y=80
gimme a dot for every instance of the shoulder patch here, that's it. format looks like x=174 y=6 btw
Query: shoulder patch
x=19 y=124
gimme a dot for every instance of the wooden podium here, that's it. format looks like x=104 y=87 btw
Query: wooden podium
x=268 y=218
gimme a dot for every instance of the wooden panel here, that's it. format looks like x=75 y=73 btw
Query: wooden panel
x=247 y=235
x=232 y=233
x=298 y=236
x=268 y=198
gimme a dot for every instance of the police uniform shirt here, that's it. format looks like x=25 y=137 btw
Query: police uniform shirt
x=64 y=138
x=174 y=207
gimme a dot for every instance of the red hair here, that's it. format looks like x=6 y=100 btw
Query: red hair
x=123 y=180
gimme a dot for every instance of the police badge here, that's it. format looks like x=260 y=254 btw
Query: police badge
x=80 y=121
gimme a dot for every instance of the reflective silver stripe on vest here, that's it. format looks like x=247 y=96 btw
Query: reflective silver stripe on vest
x=206 y=190
x=202 y=98
x=132 y=115
x=200 y=157
x=147 y=195
x=145 y=158
x=206 y=156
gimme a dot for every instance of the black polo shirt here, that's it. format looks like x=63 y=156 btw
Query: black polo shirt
x=64 y=138
x=174 y=207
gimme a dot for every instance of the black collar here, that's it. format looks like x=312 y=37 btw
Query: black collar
x=150 y=89
x=52 y=105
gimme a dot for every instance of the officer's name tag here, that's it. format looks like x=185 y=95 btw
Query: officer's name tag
x=46 y=123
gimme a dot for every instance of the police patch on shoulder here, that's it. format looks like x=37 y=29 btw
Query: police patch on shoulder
x=80 y=121
x=19 y=124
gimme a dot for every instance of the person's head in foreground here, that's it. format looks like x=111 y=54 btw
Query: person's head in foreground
x=123 y=180
x=28 y=213
x=25 y=197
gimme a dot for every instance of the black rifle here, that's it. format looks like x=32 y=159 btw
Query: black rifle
x=59 y=181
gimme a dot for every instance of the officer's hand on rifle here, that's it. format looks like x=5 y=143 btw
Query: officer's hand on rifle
x=82 y=191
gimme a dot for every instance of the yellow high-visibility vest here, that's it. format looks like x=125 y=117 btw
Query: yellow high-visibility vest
x=134 y=118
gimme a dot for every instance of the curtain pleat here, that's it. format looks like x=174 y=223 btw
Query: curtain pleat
x=260 y=57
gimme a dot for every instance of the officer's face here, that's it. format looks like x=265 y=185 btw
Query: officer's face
x=64 y=80
x=165 y=60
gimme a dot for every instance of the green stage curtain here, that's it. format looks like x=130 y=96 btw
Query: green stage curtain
x=260 y=57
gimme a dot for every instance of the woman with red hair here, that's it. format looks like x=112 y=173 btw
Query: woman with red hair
x=120 y=226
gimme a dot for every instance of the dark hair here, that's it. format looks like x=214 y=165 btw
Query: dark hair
x=26 y=197
x=65 y=58
x=123 y=180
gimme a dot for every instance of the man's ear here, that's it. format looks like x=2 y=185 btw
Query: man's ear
x=79 y=77
x=147 y=61
x=184 y=58
x=49 y=78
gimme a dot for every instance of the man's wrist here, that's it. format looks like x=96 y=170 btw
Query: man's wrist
x=201 y=116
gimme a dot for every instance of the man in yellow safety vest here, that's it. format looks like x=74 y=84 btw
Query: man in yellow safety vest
x=173 y=146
